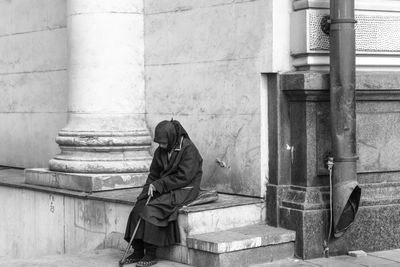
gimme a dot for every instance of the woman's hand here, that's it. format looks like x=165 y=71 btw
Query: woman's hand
x=151 y=190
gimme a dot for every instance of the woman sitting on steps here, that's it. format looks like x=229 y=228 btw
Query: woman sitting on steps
x=173 y=181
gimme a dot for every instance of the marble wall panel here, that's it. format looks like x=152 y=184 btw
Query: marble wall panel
x=114 y=6
x=116 y=217
x=85 y=227
x=218 y=32
x=202 y=62
x=21 y=16
x=48 y=222
x=164 y=6
x=33 y=52
x=33 y=80
x=378 y=135
x=230 y=147
x=9 y=245
x=215 y=88
x=28 y=139
x=34 y=92
x=37 y=229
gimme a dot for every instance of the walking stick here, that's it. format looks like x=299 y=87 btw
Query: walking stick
x=122 y=261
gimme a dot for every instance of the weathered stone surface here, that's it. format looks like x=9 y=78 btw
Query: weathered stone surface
x=33 y=64
x=350 y=261
x=357 y=253
x=377 y=133
x=378 y=136
x=388 y=254
x=84 y=182
x=92 y=219
x=214 y=32
x=25 y=16
x=310 y=80
x=375 y=228
x=243 y=258
x=234 y=140
x=23 y=141
x=98 y=258
x=19 y=235
x=306 y=198
x=383 y=258
x=32 y=52
x=116 y=6
x=213 y=96
x=272 y=205
x=220 y=216
x=165 y=6
x=106 y=130
x=289 y=262
x=208 y=71
x=235 y=239
x=38 y=92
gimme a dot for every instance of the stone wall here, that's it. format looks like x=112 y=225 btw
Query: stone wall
x=203 y=66
x=33 y=80
x=203 y=62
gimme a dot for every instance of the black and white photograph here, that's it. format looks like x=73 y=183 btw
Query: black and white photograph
x=200 y=133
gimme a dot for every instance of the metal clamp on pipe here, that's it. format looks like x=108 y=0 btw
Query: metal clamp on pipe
x=335 y=21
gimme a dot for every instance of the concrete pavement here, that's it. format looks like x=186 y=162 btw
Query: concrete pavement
x=97 y=258
x=110 y=258
x=388 y=258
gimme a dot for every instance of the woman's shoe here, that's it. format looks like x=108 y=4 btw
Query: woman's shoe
x=134 y=257
x=147 y=260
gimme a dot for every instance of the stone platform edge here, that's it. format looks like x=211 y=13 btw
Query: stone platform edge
x=15 y=179
x=84 y=182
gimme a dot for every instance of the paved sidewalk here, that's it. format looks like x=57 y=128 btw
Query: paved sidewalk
x=110 y=258
x=388 y=258
x=97 y=258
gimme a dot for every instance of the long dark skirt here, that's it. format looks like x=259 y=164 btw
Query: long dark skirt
x=150 y=233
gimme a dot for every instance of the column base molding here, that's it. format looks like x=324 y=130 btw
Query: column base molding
x=102 y=152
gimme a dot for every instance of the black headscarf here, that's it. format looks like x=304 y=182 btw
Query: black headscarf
x=169 y=132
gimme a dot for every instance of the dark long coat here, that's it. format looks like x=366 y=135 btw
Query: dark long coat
x=177 y=182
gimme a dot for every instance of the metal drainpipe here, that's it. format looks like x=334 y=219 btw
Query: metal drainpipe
x=346 y=192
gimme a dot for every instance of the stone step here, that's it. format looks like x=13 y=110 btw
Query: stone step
x=227 y=212
x=240 y=238
x=241 y=246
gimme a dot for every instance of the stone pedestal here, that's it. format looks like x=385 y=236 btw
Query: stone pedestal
x=106 y=131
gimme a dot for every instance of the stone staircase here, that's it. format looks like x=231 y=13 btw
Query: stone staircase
x=64 y=223
x=229 y=232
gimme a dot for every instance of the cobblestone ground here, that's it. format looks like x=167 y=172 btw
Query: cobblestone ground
x=98 y=258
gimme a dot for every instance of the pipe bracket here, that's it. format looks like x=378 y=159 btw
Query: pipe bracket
x=336 y=21
x=346 y=159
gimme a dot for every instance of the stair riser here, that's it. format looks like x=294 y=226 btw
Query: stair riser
x=241 y=258
x=220 y=219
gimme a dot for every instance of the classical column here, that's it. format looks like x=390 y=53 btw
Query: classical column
x=106 y=136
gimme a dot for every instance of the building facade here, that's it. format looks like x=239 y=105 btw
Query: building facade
x=249 y=80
